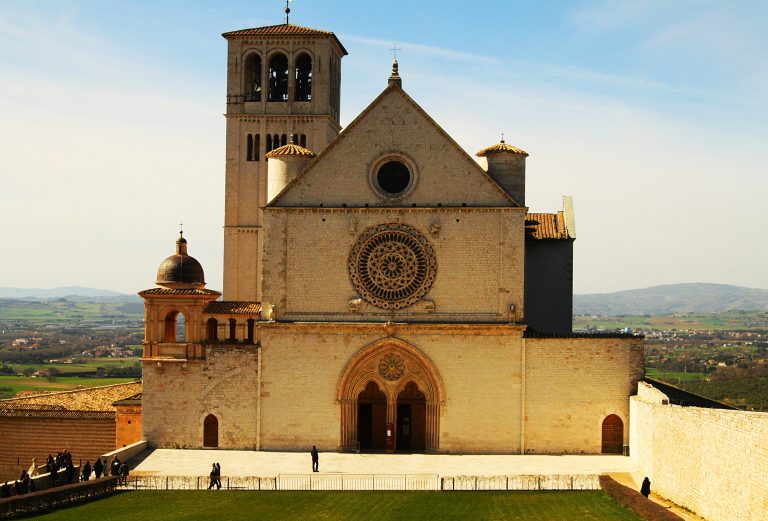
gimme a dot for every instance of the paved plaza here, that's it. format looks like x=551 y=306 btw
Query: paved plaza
x=170 y=462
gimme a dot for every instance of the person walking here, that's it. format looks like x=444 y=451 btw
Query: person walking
x=212 y=477
x=645 y=488
x=315 y=459
x=218 y=476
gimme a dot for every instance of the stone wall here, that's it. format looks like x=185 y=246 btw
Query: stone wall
x=27 y=438
x=711 y=461
x=127 y=425
x=178 y=395
x=571 y=385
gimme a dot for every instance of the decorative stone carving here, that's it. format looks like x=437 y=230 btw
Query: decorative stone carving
x=392 y=265
x=434 y=229
x=391 y=367
x=354 y=304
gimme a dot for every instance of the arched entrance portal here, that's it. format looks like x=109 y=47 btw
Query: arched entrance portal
x=210 y=431
x=390 y=395
x=613 y=435
x=372 y=418
x=411 y=419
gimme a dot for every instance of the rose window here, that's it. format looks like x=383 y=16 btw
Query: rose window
x=391 y=367
x=392 y=265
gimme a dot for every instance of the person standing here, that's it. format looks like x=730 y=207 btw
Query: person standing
x=315 y=459
x=645 y=488
x=87 y=471
x=98 y=468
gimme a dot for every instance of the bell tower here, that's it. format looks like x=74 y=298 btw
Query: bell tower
x=283 y=86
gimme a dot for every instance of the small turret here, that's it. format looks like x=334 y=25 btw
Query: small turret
x=506 y=165
x=285 y=163
x=180 y=271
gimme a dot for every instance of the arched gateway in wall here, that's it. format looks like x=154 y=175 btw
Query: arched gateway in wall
x=390 y=386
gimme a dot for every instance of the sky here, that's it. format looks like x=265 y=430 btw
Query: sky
x=652 y=114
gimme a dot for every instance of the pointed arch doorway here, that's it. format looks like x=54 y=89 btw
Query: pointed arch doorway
x=390 y=395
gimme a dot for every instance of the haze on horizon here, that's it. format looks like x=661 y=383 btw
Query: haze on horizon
x=652 y=114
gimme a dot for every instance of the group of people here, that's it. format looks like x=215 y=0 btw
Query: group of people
x=23 y=485
x=215 y=477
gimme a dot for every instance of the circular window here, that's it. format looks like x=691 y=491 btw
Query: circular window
x=393 y=177
x=392 y=265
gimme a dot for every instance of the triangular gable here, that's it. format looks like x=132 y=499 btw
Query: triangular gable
x=393 y=123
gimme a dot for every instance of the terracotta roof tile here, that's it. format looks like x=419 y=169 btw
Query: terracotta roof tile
x=57 y=414
x=283 y=30
x=546 y=226
x=233 y=307
x=169 y=291
x=93 y=399
x=501 y=147
x=291 y=149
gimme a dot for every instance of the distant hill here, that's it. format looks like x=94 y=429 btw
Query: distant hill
x=68 y=291
x=672 y=298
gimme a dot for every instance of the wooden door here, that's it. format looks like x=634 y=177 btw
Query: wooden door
x=210 y=431
x=613 y=435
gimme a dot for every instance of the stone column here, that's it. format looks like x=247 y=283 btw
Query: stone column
x=432 y=434
x=391 y=419
x=348 y=423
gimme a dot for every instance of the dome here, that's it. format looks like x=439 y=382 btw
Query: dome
x=502 y=146
x=180 y=269
x=291 y=149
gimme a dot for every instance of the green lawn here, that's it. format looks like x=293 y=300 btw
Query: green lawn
x=10 y=385
x=367 y=506
x=673 y=377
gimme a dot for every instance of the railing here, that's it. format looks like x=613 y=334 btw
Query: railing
x=56 y=497
x=291 y=482
x=522 y=482
x=370 y=482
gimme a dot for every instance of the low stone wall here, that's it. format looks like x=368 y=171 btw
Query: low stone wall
x=711 y=461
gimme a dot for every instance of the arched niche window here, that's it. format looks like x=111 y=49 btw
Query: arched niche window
x=251 y=328
x=278 y=78
x=283 y=140
x=303 y=140
x=212 y=333
x=253 y=77
x=232 y=330
x=303 y=72
x=175 y=327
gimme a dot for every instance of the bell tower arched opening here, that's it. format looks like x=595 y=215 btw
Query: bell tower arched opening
x=252 y=86
x=278 y=78
x=414 y=394
x=303 y=78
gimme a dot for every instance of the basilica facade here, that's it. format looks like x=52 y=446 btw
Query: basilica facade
x=383 y=290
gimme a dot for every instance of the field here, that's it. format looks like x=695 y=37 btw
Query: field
x=673 y=377
x=368 y=506
x=10 y=385
x=733 y=320
x=62 y=311
x=89 y=366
